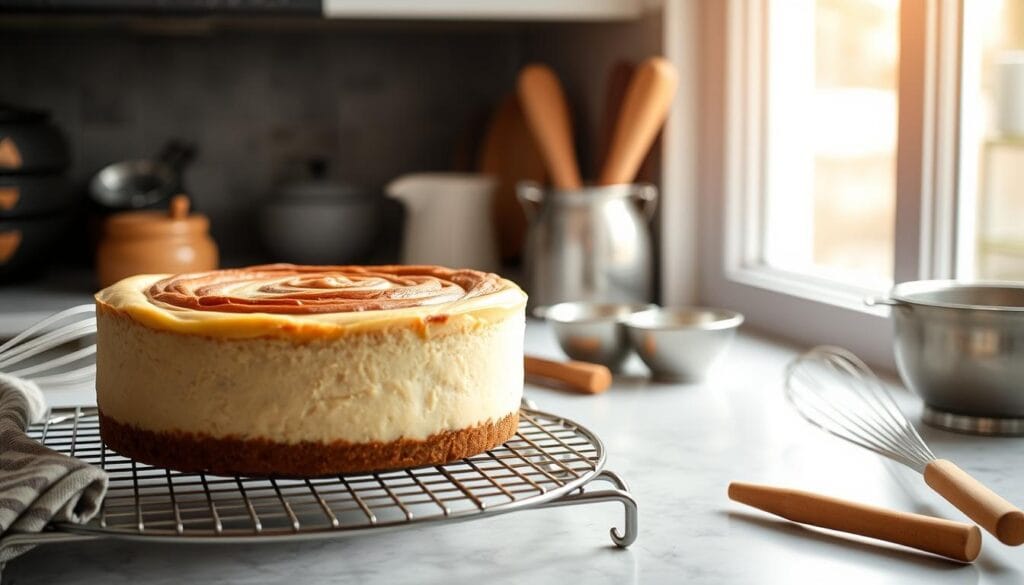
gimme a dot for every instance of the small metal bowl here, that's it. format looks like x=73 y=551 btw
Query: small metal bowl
x=592 y=332
x=681 y=345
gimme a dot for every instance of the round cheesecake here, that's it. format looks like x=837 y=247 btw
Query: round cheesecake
x=284 y=370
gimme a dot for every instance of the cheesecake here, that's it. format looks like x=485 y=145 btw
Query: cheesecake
x=296 y=371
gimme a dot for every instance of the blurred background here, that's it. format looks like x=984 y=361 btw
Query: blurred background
x=289 y=126
x=284 y=124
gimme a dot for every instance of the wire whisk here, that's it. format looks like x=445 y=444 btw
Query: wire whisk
x=837 y=392
x=66 y=335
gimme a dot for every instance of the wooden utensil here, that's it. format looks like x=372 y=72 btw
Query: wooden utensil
x=619 y=78
x=955 y=540
x=641 y=116
x=547 y=113
x=510 y=154
x=582 y=377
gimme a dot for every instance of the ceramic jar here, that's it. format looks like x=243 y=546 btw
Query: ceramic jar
x=155 y=242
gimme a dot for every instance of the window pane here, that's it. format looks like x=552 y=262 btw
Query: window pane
x=992 y=192
x=831 y=138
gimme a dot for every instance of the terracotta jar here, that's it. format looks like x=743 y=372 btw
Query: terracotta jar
x=155 y=242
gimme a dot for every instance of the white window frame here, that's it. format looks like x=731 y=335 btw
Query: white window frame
x=724 y=169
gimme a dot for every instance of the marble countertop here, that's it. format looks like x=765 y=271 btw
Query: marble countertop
x=677 y=446
x=24 y=304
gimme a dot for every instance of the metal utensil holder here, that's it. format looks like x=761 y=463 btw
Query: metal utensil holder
x=550 y=462
x=591 y=244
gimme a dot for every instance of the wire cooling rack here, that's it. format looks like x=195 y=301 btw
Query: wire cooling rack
x=551 y=461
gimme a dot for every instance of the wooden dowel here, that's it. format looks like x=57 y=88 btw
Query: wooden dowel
x=580 y=377
x=947 y=538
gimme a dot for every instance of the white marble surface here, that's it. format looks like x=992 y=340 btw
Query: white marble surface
x=25 y=304
x=678 y=447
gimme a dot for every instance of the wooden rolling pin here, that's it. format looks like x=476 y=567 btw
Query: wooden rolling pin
x=641 y=115
x=547 y=113
x=582 y=377
x=947 y=538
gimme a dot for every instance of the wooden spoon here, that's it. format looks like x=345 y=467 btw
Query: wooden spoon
x=619 y=77
x=547 y=113
x=642 y=114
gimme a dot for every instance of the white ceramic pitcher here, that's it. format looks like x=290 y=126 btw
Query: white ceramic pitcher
x=448 y=219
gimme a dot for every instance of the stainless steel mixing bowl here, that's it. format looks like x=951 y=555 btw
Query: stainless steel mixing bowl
x=960 y=346
x=592 y=332
x=681 y=345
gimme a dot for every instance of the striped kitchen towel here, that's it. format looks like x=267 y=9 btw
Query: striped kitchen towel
x=38 y=485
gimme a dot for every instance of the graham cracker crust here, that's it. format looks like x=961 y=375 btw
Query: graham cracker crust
x=194 y=452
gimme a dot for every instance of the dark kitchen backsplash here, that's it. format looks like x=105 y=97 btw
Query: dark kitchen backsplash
x=375 y=103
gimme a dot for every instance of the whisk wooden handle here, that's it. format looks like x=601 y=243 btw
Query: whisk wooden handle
x=583 y=377
x=947 y=538
x=1001 y=518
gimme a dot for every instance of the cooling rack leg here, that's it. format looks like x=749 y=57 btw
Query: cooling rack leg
x=628 y=502
x=621 y=539
x=627 y=538
x=620 y=494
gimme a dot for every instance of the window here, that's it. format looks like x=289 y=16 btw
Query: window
x=832 y=139
x=992 y=146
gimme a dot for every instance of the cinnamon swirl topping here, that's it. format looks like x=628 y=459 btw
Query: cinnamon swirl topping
x=303 y=290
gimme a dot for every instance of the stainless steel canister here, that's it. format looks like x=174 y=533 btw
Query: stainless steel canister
x=591 y=244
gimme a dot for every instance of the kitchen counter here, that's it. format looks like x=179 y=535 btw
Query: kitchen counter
x=678 y=446
x=23 y=304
